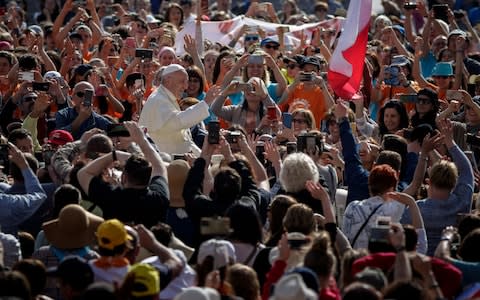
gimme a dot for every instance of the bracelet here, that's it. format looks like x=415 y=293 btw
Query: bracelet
x=114 y=155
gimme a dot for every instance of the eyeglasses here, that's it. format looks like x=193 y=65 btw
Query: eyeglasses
x=424 y=101
x=291 y=66
x=80 y=94
x=299 y=121
x=270 y=46
x=249 y=38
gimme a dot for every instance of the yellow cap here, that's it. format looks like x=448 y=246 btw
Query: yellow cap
x=112 y=233
x=146 y=280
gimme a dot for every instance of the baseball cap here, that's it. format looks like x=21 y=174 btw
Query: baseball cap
x=173 y=68
x=269 y=40
x=112 y=233
x=372 y=276
x=73 y=270
x=399 y=29
x=222 y=252
x=146 y=280
x=457 y=32
x=198 y=293
x=60 y=137
x=400 y=60
x=311 y=60
x=83 y=69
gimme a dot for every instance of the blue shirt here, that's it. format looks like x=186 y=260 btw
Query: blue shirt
x=14 y=209
x=438 y=214
x=65 y=117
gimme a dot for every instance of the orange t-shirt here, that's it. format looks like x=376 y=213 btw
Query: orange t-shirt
x=389 y=92
x=311 y=98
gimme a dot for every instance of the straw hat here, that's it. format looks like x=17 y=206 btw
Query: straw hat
x=74 y=228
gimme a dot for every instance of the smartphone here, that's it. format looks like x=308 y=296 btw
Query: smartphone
x=458 y=14
x=440 y=12
x=130 y=42
x=272 y=112
x=410 y=5
x=26 y=76
x=306 y=76
x=138 y=84
x=471 y=158
x=454 y=95
x=41 y=86
x=311 y=144
x=256 y=59
x=214 y=132
x=87 y=100
x=232 y=137
x=144 y=53
x=408 y=98
x=259 y=152
x=287 y=120
x=291 y=147
x=179 y=157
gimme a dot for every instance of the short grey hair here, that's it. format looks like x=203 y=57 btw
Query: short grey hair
x=297 y=169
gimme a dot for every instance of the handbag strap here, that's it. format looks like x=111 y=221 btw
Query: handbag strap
x=365 y=224
x=251 y=255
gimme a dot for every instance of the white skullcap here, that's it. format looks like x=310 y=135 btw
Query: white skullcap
x=173 y=68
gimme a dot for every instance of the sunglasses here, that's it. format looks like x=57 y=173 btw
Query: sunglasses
x=299 y=121
x=80 y=94
x=424 y=101
x=268 y=46
x=251 y=38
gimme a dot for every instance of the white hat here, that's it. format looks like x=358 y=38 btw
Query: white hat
x=222 y=252
x=292 y=287
x=173 y=68
x=198 y=293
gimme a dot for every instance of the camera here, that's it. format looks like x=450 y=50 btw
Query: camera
x=379 y=233
x=41 y=86
x=291 y=147
x=256 y=59
x=143 y=53
x=179 y=157
x=259 y=152
x=215 y=226
x=306 y=76
x=232 y=137
x=410 y=5
x=297 y=240
x=473 y=140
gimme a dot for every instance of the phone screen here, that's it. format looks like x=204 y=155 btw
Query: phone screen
x=87 y=100
x=287 y=119
x=214 y=132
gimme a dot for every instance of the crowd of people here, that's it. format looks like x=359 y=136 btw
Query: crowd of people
x=135 y=168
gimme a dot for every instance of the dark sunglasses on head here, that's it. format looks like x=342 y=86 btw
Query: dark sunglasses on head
x=269 y=46
x=251 y=38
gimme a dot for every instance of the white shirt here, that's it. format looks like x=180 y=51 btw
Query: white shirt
x=167 y=125
x=358 y=211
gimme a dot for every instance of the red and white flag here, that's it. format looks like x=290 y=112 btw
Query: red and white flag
x=347 y=62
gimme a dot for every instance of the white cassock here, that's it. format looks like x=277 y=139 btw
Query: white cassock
x=168 y=125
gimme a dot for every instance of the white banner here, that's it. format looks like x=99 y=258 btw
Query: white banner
x=224 y=31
